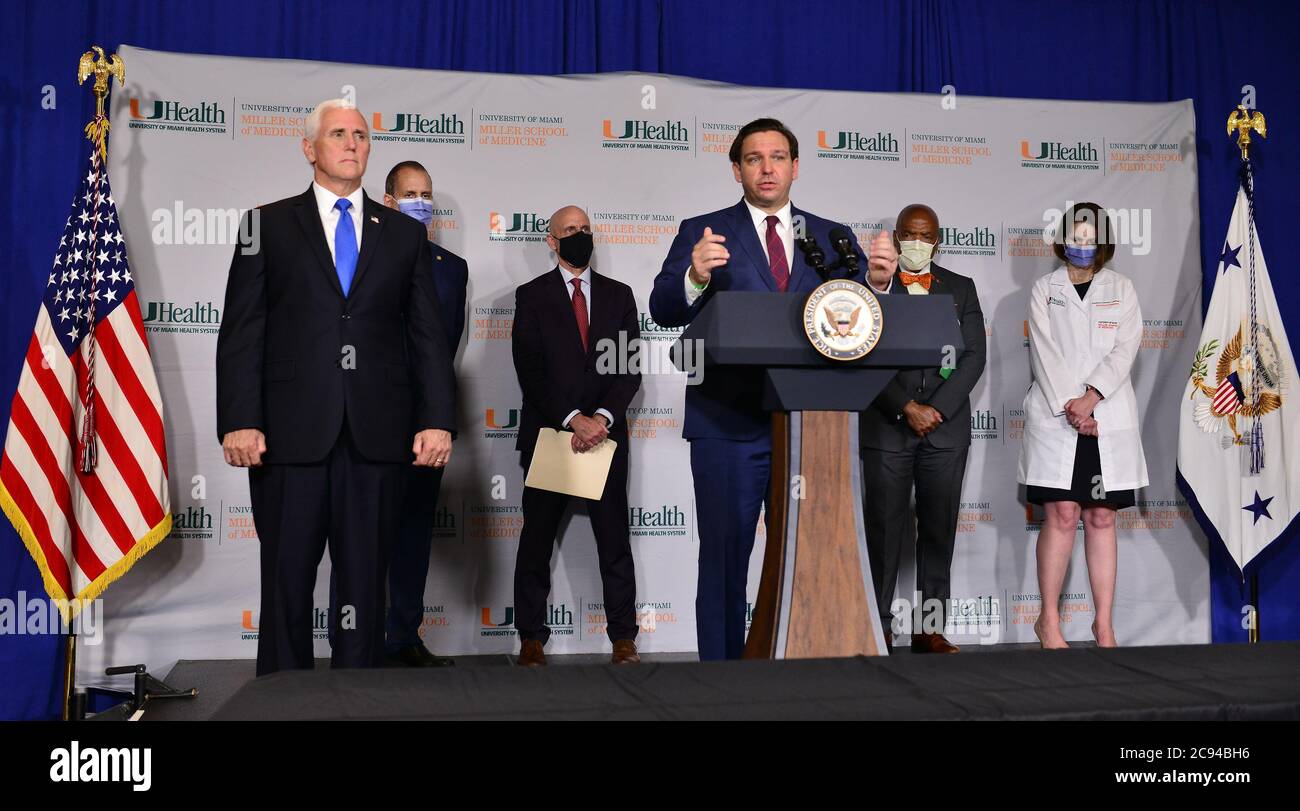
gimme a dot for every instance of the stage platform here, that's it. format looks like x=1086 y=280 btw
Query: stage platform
x=1188 y=682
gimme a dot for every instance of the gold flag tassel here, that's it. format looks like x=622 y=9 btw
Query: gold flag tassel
x=94 y=63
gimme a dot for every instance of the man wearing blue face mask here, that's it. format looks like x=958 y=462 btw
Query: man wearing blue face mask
x=409 y=189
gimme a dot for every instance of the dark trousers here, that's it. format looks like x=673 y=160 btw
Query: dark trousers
x=349 y=504
x=888 y=478
x=543 y=511
x=408 y=565
x=731 y=487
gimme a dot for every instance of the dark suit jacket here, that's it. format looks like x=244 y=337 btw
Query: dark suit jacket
x=726 y=404
x=295 y=357
x=555 y=375
x=450 y=279
x=883 y=426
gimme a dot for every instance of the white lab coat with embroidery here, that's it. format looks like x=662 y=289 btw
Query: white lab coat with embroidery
x=1074 y=342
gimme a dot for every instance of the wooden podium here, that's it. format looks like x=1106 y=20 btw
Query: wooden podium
x=815 y=595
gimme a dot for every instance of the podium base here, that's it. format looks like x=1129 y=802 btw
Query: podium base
x=816 y=598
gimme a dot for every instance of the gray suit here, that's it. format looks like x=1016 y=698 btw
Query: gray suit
x=894 y=458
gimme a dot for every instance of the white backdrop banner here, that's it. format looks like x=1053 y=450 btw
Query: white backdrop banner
x=197 y=140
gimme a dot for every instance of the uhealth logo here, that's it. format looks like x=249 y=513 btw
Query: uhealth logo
x=442 y=128
x=978 y=241
x=517 y=226
x=983 y=424
x=205 y=112
x=1081 y=155
x=199 y=317
x=664 y=520
x=194 y=524
x=490 y=627
x=249 y=624
x=205 y=116
x=847 y=144
x=641 y=134
x=501 y=426
x=493 y=421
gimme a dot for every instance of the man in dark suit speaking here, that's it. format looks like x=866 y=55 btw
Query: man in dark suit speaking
x=917 y=432
x=333 y=373
x=749 y=246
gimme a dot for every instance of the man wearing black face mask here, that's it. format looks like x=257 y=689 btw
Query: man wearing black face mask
x=565 y=320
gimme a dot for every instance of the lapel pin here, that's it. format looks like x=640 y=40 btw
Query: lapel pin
x=374 y=219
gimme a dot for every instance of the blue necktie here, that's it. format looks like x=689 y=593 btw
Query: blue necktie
x=345 y=246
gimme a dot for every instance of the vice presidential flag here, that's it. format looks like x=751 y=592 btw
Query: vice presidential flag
x=1239 y=425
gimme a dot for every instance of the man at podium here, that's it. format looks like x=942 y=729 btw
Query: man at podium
x=749 y=246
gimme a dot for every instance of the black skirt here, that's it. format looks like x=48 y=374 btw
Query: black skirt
x=1087 y=469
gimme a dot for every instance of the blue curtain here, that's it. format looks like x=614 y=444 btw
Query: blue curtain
x=1149 y=50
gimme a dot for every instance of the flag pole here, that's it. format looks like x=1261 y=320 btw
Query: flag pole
x=94 y=63
x=1241 y=122
x=1253 y=633
x=91 y=63
x=69 y=676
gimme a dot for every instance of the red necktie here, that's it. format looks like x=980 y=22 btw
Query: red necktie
x=580 y=310
x=776 y=255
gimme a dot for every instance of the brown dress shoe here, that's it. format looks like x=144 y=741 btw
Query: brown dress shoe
x=530 y=654
x=932 y=643
x=625 y=653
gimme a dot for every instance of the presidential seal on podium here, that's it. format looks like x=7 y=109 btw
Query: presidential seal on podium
x=842 y=319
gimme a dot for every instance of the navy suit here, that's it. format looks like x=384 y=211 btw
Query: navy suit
x=894 y=459
x=338 y=435
x=729 y=432
x=409 y=566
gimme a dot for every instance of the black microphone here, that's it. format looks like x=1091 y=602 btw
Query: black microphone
x=814 y=256
x=842 y=242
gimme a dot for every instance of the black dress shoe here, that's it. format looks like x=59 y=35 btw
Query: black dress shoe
x=418 y=655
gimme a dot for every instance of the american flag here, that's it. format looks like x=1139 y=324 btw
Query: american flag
x=87 y=354
x=1227 y=398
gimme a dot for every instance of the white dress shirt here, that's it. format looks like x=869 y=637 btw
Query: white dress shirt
x=584 y=281
x=329 y=215
x=784 y=229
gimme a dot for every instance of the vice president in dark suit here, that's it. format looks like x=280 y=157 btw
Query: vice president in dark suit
x=749 y=246
x=333 y=375
x=917 y=433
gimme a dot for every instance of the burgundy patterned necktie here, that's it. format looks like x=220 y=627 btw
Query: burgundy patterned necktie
x=776 y=255
x=580 y=310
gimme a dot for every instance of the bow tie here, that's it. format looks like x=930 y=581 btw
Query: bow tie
x=916 y=278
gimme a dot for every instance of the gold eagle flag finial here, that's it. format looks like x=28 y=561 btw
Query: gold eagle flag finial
x=1243 y=121
x=101 y=68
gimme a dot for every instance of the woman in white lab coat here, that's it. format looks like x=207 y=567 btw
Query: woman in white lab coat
x=1082 y=449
